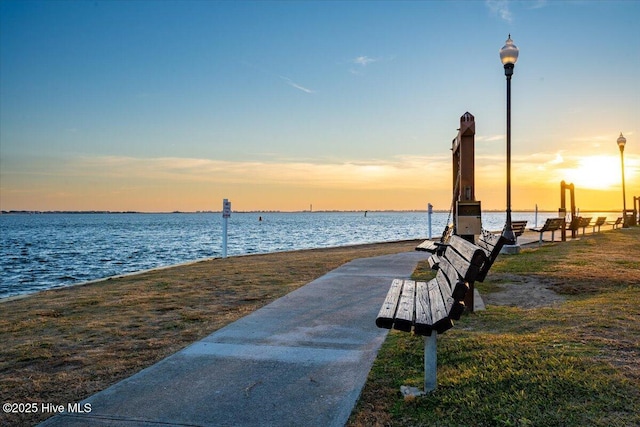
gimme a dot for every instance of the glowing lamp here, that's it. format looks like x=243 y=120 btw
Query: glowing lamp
x=509 y=56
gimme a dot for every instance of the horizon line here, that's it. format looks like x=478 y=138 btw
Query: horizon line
x=39 y=212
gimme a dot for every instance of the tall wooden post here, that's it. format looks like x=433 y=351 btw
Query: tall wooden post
x=562 y=212
x=467 y=223
x=466 y=209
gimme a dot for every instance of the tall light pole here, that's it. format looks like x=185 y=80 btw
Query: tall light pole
x=509 y=56
x=621 y=142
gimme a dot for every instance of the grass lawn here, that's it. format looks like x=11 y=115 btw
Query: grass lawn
x=570 y=364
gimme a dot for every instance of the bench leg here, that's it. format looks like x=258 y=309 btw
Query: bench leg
x=430 y=362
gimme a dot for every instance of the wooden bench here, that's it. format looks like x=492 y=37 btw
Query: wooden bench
x=518 y=227
x=584 y=223
x=424 y=307
x=573 y=226
x=600 y=221
x=437 y=247
x=552 y=225
x=616 y=223
x=428 y=307
x=577 y=223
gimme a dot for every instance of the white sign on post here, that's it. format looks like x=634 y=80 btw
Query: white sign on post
x=226 y=208
x=226 y=214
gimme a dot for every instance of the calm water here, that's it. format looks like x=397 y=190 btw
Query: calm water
x=43 y=251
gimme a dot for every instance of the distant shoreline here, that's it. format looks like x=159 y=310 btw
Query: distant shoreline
x=28 y=212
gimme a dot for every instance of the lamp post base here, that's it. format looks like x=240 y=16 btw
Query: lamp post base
x=510 y=249
x=507 y=231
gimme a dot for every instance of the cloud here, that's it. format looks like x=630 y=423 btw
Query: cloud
x=489 y=138
x=399 y=172
x=537 y=4
x=167 y=183
x=296 y=85
x=500 y=8
x=364 y=60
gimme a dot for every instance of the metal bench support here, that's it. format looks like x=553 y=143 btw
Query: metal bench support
x=430 y=362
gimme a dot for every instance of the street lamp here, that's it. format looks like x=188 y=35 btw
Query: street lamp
x=621 y=142
x=509 y=56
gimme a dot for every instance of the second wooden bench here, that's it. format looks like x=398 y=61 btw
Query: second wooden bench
x=427 y=306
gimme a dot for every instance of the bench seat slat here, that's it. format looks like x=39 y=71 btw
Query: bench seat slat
x=424 y=322
x=388 y=310
x=439 y=310
x=406 y=307
x=439 y=307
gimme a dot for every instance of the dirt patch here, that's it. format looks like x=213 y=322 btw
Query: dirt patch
x=522 y=291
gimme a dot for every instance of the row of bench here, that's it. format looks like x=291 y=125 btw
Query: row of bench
x=578 y=222
x=519 y=227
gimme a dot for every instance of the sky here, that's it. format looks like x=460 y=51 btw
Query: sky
x=160 y=106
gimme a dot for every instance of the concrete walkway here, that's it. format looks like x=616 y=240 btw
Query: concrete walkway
x=299 y=361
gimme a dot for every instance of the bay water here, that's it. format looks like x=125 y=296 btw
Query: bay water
x=48 y=250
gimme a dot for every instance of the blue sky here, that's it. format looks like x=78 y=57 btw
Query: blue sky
x=164 y=105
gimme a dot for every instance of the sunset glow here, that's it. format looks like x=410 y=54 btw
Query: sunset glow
x=598 y=173
x=283 y=105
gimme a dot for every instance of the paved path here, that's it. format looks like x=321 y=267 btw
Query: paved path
x=299 y=361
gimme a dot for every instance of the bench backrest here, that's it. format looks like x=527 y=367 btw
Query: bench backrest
x=458 y=268
x=574 y=224
x=491 y=244
x=518 y=227
x=552 y=224
x=465 y=257
x=600 y=221
x=584 y=222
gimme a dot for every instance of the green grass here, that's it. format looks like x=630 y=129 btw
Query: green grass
x=570 y=365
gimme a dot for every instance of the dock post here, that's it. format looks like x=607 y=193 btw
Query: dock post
x=429 y=214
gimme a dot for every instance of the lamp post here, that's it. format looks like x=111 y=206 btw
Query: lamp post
x=509 y=56
x=621 y=142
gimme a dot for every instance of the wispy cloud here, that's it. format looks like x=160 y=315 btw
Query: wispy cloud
x=500 y=8
x=296 y=85
x=364 y=60
x=167 y=183
x=490 y=138
x=537 y=4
